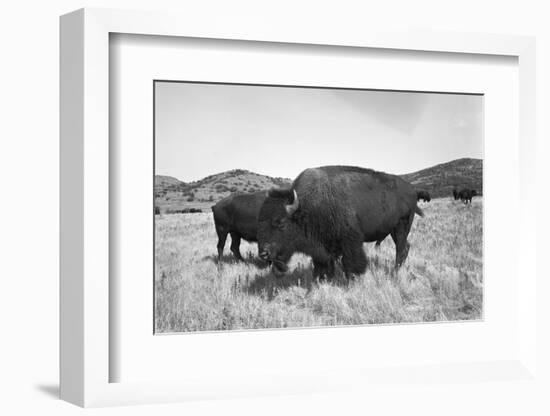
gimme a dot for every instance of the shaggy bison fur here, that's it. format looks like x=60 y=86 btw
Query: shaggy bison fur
x=329 y=212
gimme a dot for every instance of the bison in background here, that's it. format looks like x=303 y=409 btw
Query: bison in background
x=455 y=194
x=329 y=212
x=237 y=214
x=466 y=195
x=423 y=195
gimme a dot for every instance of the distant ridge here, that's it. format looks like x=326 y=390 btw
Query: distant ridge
x=440 y=180
x=164 y=181
x=173 y=195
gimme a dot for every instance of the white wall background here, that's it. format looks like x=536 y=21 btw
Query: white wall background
x=29 y=209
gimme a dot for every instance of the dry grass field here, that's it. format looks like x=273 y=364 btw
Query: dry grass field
x=442 y=279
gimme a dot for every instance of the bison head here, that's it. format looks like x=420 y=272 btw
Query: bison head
x=277 y=234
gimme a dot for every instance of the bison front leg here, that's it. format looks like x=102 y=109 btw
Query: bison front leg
x=322 y=270
x=235 y=245
x=354 y=259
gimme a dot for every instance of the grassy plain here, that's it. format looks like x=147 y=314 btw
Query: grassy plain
x=441 y=280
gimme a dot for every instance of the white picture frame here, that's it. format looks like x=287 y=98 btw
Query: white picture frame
x=85 y=355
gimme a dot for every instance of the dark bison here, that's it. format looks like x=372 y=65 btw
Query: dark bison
x=455 y=194
x=423 y=195
x=466 y=195
x=329 y=212
x=237 y=215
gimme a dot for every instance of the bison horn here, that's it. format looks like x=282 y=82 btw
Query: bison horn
x=291 y=209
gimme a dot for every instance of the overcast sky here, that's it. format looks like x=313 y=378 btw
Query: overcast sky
x=201 y=129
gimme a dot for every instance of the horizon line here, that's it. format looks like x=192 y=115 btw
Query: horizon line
x=282 y=177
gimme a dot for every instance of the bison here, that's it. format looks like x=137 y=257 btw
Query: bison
x=455 y=194
x=237 y=214
x=466 y=195
x=329 y=212
x=423 y=195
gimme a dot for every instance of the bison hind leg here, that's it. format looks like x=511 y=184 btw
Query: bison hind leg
x=401 y=254
x=399 y=236
x=235 y=245
x=222 y=236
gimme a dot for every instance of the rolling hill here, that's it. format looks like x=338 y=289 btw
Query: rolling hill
x=165 y=182
x=439 y=180
x=173 y=195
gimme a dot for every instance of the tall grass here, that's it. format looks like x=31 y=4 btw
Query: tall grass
x=441 y=279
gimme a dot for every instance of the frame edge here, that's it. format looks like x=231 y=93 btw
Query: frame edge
x=71 y=202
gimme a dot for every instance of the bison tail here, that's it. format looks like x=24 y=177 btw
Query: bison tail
x=418 y=211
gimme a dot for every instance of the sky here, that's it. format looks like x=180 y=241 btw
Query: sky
x=202 y=129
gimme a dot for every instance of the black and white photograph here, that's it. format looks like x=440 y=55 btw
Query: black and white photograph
x=292 y=207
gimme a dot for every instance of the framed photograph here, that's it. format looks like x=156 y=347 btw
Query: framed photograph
x=297 y=254
x=269 y=212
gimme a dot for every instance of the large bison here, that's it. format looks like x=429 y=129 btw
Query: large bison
x=455 y=194
x=466 y=195
x=237 y=214
x=423 y=195
x=329 y=212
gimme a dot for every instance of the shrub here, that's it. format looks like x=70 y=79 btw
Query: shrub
x=221 y=188
x=184 y=211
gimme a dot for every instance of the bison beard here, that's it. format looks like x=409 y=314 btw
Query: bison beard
x=329 y=212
